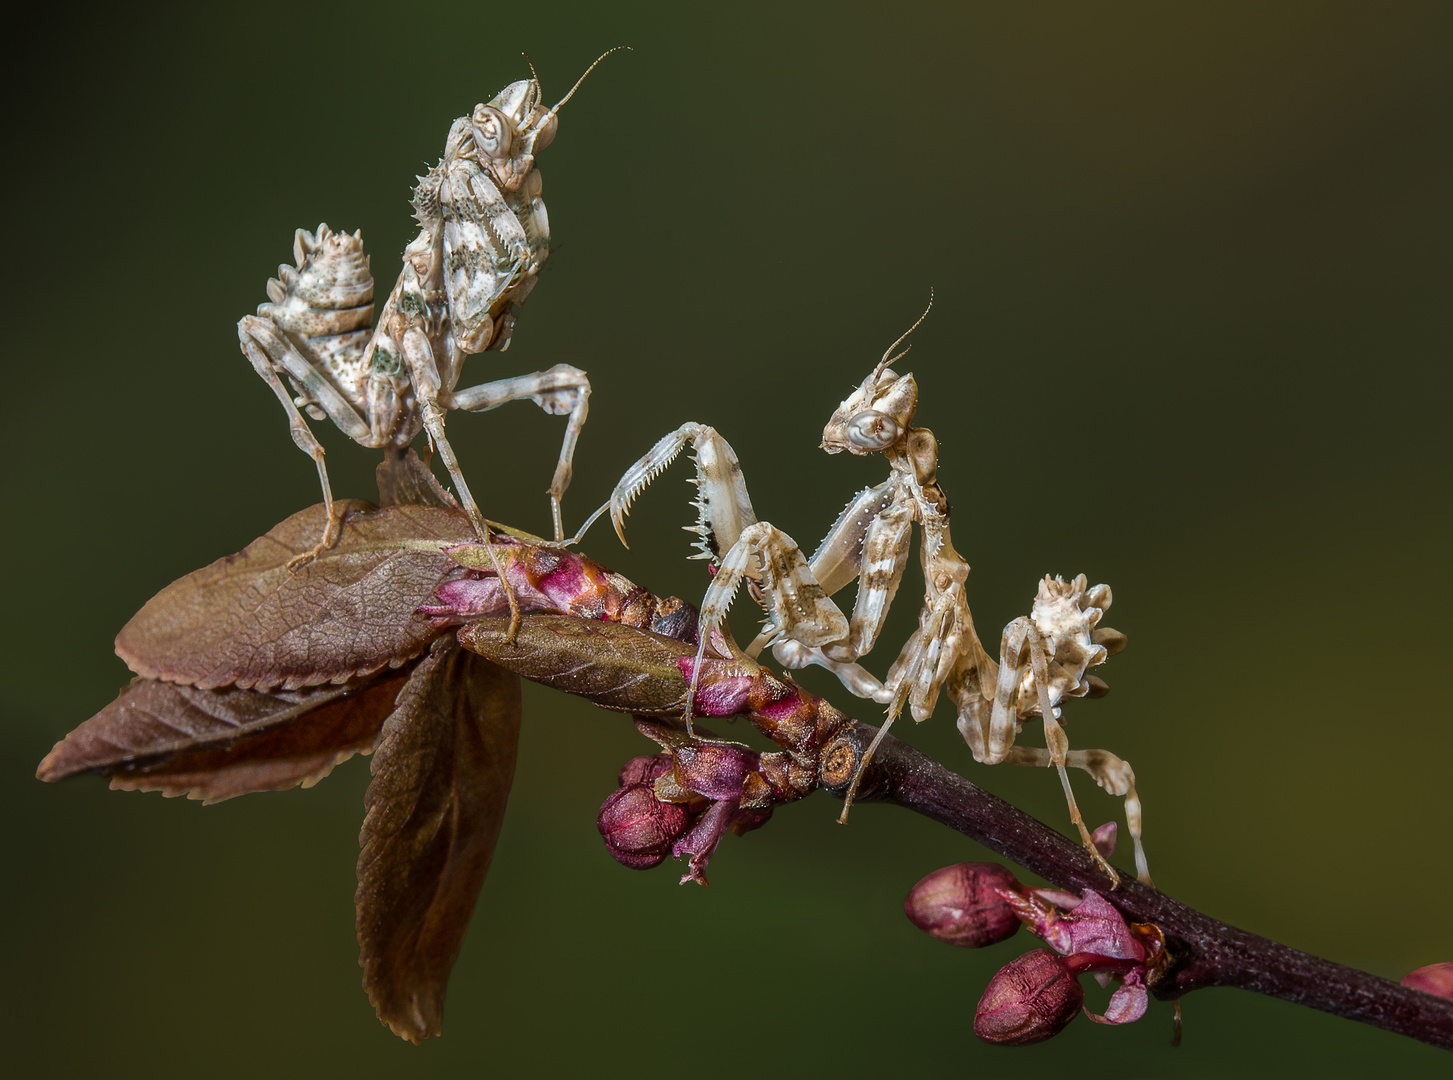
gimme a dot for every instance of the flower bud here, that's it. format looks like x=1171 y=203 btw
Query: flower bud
x=715 y=770
x=1435 y=979
x=645 y=769
x=638 y=828
x=1031 y=999
x=960 y=905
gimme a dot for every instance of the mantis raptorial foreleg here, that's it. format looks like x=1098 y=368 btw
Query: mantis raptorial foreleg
x=724 y=509
x=796 y=605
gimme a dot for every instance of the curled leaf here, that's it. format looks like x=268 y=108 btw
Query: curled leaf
x=615 y=666
x=441 y=775
x=216 y=744
x=250 y=621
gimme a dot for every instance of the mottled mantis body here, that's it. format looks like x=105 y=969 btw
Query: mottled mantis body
x=1044 y=658
x=483 y=236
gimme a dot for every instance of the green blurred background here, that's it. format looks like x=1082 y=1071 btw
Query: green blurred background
x=1191 y=338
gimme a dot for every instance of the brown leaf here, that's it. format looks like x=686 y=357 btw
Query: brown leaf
x=615 y=666
x=404 y=480
x=441 y=776
x=250 y=621
x=216 y=744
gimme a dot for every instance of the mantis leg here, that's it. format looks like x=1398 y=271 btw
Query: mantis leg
x=424 y=375
x=796 y=604
x=560 y=390
x=269 y=351
x=1112 y=773
x=1058 y=744
x=724 y=509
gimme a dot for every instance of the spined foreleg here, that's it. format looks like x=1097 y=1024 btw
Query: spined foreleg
x=869 y=542
x=796 y=605
x=724 y=508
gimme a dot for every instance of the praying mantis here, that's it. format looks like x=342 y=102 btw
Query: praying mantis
x=1044 y=657
x=483 y=236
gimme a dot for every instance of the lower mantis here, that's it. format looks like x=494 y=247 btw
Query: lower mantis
x=1043 y=658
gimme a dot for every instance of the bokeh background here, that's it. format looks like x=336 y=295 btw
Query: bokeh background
x=1191 y=338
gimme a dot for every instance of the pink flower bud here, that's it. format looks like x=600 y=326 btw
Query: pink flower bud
x=960 y=905
x=716 y=771
x=1435 y=979
x=1031 y=999
x=1104 y=839
x=638 y=828
x=719 y=692
x=645 y=769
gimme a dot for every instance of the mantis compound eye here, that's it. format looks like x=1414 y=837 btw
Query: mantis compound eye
x=491 y=132
x=873 y=430
x=545 y=131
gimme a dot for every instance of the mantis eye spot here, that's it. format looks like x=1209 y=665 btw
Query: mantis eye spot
x=492 y=132
x=873 y=430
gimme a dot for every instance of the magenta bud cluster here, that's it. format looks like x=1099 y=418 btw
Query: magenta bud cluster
x=638 y=828
x=1033 y=997
x=682 y=803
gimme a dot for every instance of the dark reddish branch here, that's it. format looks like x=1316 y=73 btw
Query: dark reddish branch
x=630 y=669
x=1206 y=952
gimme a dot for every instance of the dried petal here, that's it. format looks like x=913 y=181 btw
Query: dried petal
x=1029 y=1000
x=745 y=821
x=1436 y=979
x=1096 y=926
x=960 y=904
x=1127 y=1004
